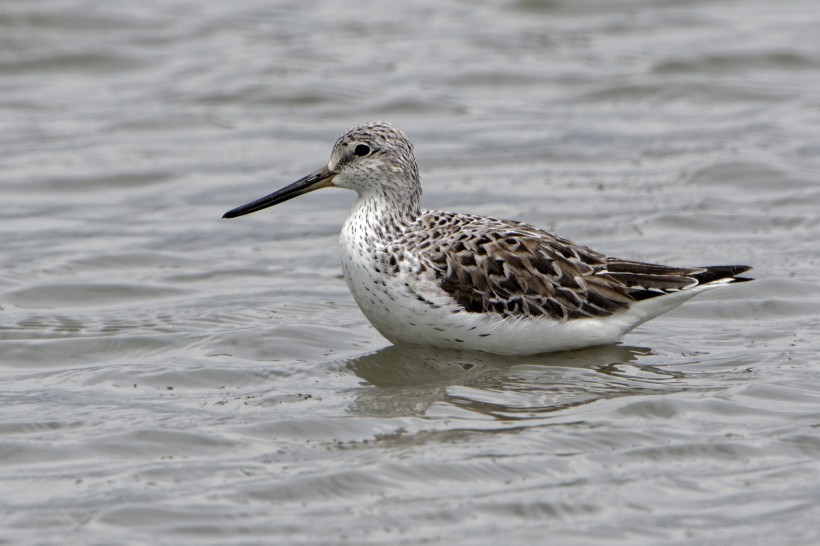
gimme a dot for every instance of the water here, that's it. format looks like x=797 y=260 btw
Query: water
x=171 y=377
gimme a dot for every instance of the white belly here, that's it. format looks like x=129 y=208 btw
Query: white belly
x=393 y=306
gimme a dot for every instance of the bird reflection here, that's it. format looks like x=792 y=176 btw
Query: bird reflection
x=411 y=380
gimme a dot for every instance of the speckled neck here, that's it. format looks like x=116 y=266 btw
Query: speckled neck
x=382 y=214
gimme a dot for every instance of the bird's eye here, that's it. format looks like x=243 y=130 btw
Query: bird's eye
x=361 y=150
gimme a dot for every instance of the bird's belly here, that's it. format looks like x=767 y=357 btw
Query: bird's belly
x=408 y=313
x=385 y=301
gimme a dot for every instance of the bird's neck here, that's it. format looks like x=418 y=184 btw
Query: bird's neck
x=381 y=215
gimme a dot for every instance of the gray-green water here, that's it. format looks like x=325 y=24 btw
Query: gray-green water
x=170 y=377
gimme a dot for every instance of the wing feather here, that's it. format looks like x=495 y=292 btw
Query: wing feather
x=510 y=269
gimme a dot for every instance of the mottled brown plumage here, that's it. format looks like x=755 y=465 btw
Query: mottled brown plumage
x=511 y=269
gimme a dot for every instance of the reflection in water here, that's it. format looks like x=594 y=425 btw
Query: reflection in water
x=410 y=380
x=399 y=366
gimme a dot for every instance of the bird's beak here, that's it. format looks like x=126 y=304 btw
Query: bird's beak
x=315 y=180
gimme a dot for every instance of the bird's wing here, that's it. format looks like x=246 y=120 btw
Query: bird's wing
x=510 y=269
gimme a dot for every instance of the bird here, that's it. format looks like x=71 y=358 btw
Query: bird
x=464 y=281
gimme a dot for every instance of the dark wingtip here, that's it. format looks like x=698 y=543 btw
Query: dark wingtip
x=714 y=273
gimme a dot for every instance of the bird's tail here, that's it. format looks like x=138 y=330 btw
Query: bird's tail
x=645 y=281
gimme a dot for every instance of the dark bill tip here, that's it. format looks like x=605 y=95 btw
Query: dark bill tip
x=314 y=181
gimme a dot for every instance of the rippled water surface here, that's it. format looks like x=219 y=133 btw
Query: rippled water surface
x=168 y=376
